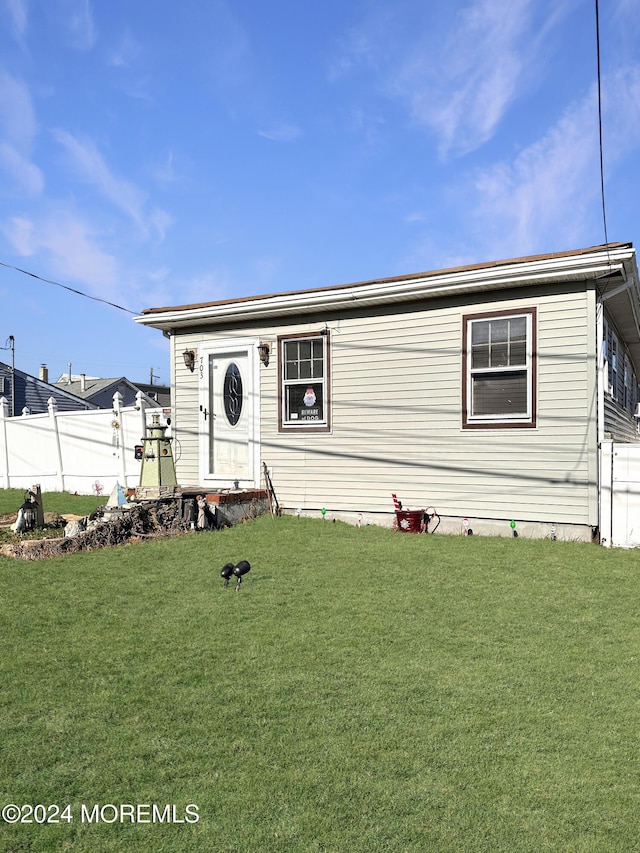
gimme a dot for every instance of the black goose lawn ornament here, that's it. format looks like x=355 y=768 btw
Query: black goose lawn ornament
x=229 y=570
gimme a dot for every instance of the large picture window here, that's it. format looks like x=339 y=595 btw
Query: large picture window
x=499 y=370
x=304 y=382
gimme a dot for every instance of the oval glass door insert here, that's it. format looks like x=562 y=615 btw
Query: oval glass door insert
x=232 y=393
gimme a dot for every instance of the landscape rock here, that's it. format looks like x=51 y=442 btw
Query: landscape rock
x=54 y=519
x=75 y=528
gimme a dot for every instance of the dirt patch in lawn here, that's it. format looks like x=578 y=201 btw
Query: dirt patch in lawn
x=143 y=521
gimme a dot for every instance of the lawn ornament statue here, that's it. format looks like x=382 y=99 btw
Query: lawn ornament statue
x=229 y=570
x=27 y=515
x=21 y=523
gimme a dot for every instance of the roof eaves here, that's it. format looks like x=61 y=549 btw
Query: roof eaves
x=587 y=263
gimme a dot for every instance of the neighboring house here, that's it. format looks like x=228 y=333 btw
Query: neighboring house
x=32 y=394
x=485 y=391
x=160 y=394
x=100 y=391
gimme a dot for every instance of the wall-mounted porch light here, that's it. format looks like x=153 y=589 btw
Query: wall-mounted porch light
x=264 y=351
x=189 y=356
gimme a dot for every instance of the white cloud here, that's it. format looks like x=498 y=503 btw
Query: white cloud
x=457 y=68
x=281 y=133
x=76 y=17
x=230 y=61
x=549 y=195
x=462 y=88
x=160 y=221
x=621 y=112
x=204 y=287
x=91 y=167
x=126 y=51
x=71 y=247
x=17 y=116
x=19 y=232
x=627 y=13
x=18 y=15
x=543 y=195
x=128 y=57
x=160 y=274
x=18 y=127
x=25 y=174
x=359 y=47
x=165 y=172
x=415 y=216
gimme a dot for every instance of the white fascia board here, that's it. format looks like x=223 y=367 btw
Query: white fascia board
x=518 y=274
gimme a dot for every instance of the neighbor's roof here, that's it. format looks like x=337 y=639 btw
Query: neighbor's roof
x=92 y=385
x=607 y=262
x=48 y=388
x=95 y=387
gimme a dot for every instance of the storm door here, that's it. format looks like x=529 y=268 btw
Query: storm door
x=227 y=415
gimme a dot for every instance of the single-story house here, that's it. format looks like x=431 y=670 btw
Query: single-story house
x=486 y=391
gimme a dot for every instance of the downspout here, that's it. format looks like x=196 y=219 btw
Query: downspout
x=600 y=365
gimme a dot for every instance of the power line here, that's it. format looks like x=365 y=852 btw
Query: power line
x=604 y=209
x=70 y=289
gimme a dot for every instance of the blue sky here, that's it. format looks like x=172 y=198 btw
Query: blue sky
x=158 y=153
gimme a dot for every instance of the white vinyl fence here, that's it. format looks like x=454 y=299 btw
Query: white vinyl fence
x=620 y=495
x=87 y=452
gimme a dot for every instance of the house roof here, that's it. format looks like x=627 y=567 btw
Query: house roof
x=613 y=264
x=48 y=389
x=91 y=387
x=160 y=393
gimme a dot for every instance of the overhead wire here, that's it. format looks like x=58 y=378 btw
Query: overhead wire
x=70 y=289
x=602 y=291
x=602 y=190
x=599 y=76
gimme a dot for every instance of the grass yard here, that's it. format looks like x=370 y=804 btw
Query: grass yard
x=63 y=502
x=364 y=691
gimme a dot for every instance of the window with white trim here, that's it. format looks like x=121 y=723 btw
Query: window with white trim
x=621 y=380
x=611 y=355
x=304 y=382
x=499 y=369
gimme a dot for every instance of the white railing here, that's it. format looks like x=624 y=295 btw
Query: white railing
x=87 y=452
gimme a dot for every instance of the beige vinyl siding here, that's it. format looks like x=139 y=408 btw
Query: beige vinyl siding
x=185 y=412
x=396 y=420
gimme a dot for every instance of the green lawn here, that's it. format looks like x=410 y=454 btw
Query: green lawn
x=62 y=502
x=364 y=691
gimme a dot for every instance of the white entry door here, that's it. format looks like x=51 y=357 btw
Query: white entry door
x=228 y=410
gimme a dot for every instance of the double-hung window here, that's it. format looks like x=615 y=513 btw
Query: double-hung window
x=611 y=354
x=499 y=369
x=621 y=380
x=304 y=394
